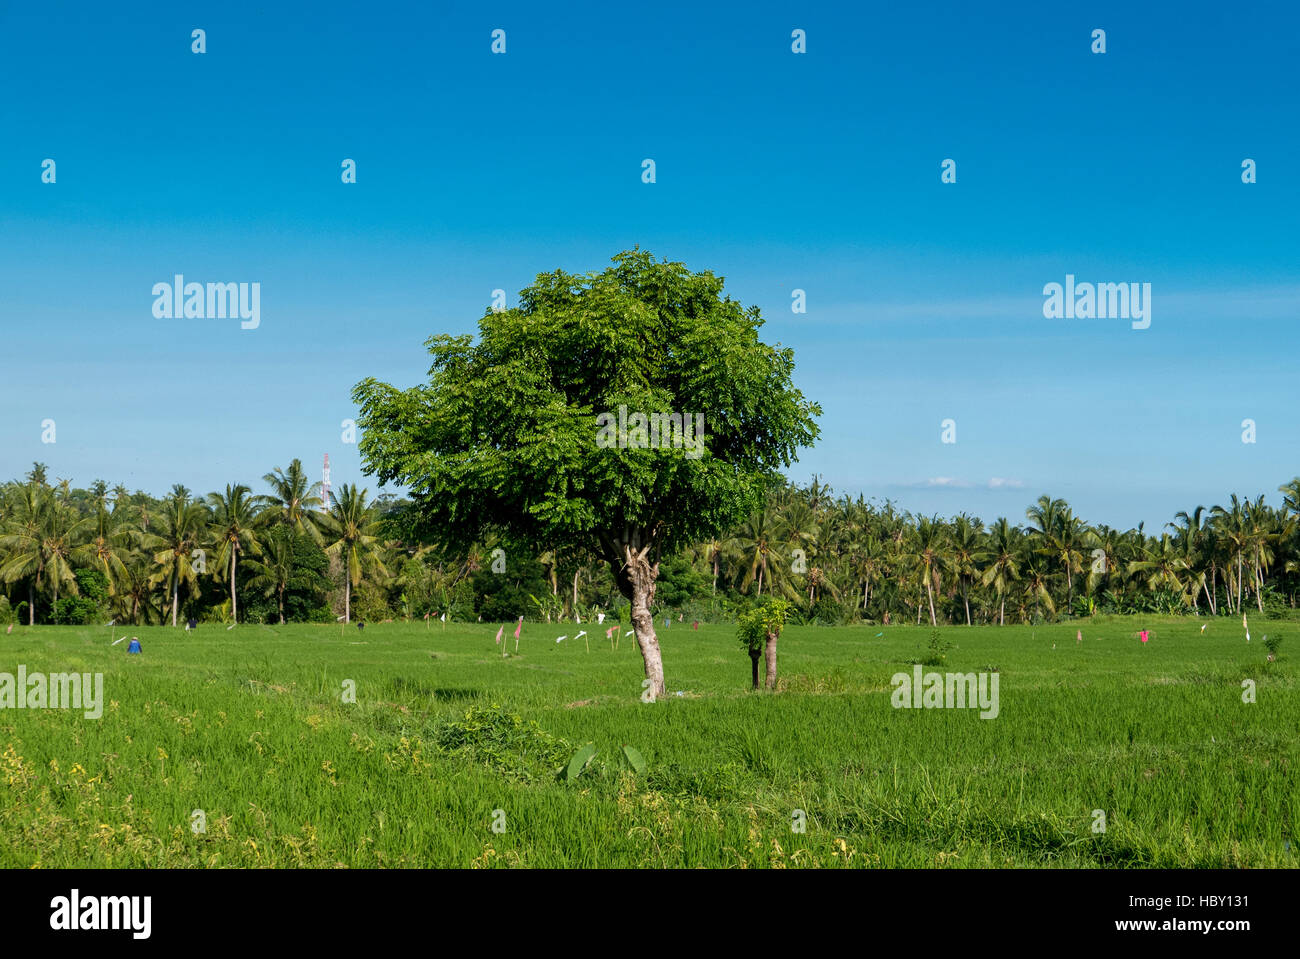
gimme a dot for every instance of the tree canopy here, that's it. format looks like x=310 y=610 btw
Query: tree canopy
x=513 y=431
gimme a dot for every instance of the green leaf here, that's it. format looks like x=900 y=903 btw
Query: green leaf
x=634 y=758
x=579 y=762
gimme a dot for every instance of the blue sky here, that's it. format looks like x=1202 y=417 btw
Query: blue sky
x=778 y=171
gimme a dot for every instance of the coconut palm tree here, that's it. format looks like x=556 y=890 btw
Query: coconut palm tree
x=233 y=528
x=110 y=542
x=1003 y=569
x=1162 y=566
x=181 y=528
x=20 y=539
x=931 y=541
x=293 y=500
x=964 y=555
x=352 y=532
x=274 y=572
x=1230 y=524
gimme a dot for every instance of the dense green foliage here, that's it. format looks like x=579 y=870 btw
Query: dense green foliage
x=102 y=554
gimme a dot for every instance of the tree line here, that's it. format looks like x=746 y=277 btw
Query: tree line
x=74 y=555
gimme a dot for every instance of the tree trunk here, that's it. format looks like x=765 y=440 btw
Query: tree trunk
x=769 y=660
x=636 y=577
x=966 y=599
x=753 y=658
x=930 y=592
x=1002 y=612
x=347 y=595
x=176 y=592
x=281 y=593
x=234 y=609
x=31 y=604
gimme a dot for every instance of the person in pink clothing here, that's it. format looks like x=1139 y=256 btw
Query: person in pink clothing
x=1143 y=635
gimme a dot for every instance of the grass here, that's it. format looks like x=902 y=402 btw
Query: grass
x=249 y=726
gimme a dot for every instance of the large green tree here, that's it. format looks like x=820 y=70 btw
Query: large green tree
x=514 y=431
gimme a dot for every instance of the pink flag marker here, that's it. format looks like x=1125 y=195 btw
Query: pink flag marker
x=500 y=632
x=518 y=626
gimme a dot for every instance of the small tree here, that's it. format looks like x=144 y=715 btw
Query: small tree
x=759 y=629
x=554 y=428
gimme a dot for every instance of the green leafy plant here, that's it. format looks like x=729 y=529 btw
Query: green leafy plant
x=520 y=748
x=758 y=630
x=937 y=651
x=629 y=758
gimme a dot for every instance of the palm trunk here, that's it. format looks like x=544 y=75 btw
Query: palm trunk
x=965 y=598
x=176 y=592
x=347 y=596
x=769 y=661
x=31 y=604
x=930 y=592
x=234 y=609
x=1002 y=612
x=281 y=595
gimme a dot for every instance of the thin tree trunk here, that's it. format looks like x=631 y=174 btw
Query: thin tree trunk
x=966 y=599
x=176 y=591
x=930 y=592
x=1002 y=612
x=234 y=609
x=347 y=595
x=754 y=654
x=769 y=661
x=31 y=604
x=281 y=593
x=637 y=582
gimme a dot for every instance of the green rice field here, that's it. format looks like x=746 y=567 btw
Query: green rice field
x=241 y=747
